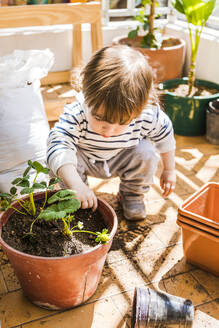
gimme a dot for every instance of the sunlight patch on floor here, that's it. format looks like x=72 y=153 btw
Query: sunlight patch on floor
x=208 y=171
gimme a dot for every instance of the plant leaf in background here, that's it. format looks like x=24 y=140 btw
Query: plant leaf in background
x=146 y=21
x=197 y=13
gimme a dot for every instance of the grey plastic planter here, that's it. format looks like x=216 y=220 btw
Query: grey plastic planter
x=212 y=122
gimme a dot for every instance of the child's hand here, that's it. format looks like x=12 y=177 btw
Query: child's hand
x=86 y=197
x=69 y=175
x=167 y=182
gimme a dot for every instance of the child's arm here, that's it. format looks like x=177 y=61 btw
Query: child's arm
x=72 y=180
x=168 y=176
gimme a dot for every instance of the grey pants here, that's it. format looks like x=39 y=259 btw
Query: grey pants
x=135 y=166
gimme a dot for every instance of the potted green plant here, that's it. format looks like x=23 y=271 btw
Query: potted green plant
x=57 y=250
x=165 y=54
x=185 y=99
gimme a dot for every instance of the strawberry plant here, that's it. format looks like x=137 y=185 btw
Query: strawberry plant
x=60 y=206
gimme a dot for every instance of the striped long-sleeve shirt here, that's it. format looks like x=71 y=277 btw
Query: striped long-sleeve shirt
x=73 y=131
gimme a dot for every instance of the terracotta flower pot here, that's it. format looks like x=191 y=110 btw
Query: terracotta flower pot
x=60 y=282
x=203 y=206
x=200 y=248
x=167 y=62
x=199 y=219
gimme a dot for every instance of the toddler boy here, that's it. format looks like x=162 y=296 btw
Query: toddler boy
x=114 y=128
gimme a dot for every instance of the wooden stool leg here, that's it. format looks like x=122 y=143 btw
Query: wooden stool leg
x=77 y=46
x=96 y=35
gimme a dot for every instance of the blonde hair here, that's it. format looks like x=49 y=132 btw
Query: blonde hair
x=117 y=79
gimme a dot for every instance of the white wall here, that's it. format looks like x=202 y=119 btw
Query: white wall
x=59 y=40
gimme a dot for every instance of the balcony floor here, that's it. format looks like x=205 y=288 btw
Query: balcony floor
x=148 y=253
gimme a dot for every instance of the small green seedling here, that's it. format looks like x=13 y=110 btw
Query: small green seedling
x=28 y=188
x=60 y=206
x=63 y=203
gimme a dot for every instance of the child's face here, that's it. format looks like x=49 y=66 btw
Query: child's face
x=104 y=128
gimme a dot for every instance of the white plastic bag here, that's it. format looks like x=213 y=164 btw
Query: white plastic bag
x=23 y=123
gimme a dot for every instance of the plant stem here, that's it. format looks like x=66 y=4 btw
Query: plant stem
x=191 y=77
x=91 y=232
x=67 y=229
x=32 y=199
x=19 y=202
x=32 y=204
x=194 y=50
x=17 y=210
x=31 y=226
x=151 y=17
x=45 y=199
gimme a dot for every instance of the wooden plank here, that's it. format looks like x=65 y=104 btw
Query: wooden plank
x=77 y=46
x=54 y=108
x=96 y=35
x=52 y=14
x=56 y=78
x=55 y=97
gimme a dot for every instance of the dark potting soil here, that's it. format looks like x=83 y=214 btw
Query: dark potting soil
x=136 y=42
x=48 y=239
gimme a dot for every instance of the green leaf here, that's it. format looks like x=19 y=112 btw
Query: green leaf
x=146 y=2
x=197 y=12
x=16 y=181
x=27 y=191
x=132 y=34
x=44 y=183
x=52 y=213
x=69 y=206
x=26 y=171
x=5 y=195
x=54 y=181
x=4 y=204
x=178 y=5
x=145 y=26
x=13 y=190
x=39 y=168
x=37 y=185
x=62 y=195
x=23 y=183
x=102 y=237
x=148 y=41
x=30 y=163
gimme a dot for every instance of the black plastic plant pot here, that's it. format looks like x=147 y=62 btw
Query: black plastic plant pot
x=188 y=114
x=156 y=309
